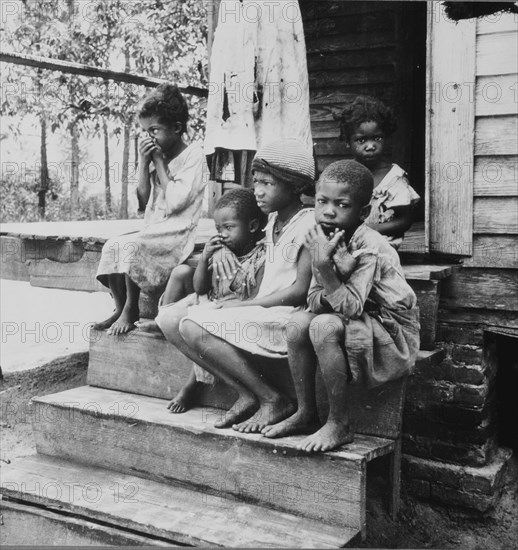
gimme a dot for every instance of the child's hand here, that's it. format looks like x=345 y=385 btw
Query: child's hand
x=320 y=248
x=213 y=244
x=147 y=148
x=344 y=261
x=225 y=264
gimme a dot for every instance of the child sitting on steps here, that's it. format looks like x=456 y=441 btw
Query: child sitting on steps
x=366 y=124
x=225 y=341
x=239 y=224
x=363 y=323
x=170 y=188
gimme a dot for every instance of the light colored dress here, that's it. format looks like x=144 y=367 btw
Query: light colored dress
x=378 y=309
x=259 y=88
x=392 y=191
x=170 y=222
x=256 y=329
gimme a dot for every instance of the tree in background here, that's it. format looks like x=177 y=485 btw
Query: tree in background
x=164 y=39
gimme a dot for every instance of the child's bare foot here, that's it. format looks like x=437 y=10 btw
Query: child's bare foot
x=298 y=423
x=242 y=408
x=125 y=322
x=148 y=325
x=103 y=325
x=268 y=413
x=329 y=437
x=183 y=400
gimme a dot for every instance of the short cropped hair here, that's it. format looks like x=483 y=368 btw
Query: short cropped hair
x=366 y=109
x=244 y=204
x=352 y=173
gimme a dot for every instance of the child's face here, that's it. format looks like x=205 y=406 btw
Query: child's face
x=235 y=233
x=337 y=207
x=271 y=195
x=166 y=136
x=367 y=143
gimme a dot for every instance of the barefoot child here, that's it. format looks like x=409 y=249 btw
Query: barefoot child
x=363 y=324
x=239 y=224
x=224 y=341
x=366 y=124
x=171 y=189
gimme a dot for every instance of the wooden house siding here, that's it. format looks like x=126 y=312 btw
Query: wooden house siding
x=484 y=294
x=495 y=188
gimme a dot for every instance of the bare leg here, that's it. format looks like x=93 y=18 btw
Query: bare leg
x=117 y=285
x=302 y=360
x=169 y=321
x=235 y=367
x=130 y=311
x=178 y=286
x=327 y=334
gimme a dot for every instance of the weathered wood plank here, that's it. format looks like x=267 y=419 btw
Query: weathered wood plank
x=451 y=135
x=427 y=293
x=364 y=23
x=466 y=326
x=497 y=23
x=95 y=231
x=343 y=43
x=496 y=176
x=44 y=525
x=348 y=60
x=495 y=215
x=494 y=289
x=318 y=9
x=494 y=251
x=13 y=265
x=143 y=437
x=93 y=72
x=496 y=135
x=116 y=363
x=497 y=54
x=355 y=76
x=318 y=96
x=171 y=512
x=496 y=95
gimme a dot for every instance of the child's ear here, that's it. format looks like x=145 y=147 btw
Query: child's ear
x=253 y=226
x=365 y=211
x=178 y=127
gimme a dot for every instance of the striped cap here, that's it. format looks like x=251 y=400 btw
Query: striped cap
x=289 y=154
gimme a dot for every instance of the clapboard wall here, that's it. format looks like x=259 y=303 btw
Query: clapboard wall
x=484 y=294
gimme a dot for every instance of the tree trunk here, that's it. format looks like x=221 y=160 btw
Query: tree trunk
x=125 y=155
x=74 y=180
x=107 y=193
x=44 y=170
x=125 y=171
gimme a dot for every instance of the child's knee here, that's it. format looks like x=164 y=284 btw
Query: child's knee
x=182 y=272
x=326 y=329
x=298 y=326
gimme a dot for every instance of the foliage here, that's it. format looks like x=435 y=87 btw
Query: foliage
x=163 y=38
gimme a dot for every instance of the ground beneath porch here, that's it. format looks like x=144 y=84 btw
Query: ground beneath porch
x=420 y=525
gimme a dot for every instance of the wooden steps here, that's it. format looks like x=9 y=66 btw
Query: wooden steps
x=158 y=514
x=147 y=364
x=138 y=436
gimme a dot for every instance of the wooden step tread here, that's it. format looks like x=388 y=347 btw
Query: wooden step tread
x=162 y=510
x=131 y=408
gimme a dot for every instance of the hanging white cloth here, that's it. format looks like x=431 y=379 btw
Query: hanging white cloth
x=259 y=90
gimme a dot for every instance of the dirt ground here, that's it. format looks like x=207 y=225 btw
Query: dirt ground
x=419 y=525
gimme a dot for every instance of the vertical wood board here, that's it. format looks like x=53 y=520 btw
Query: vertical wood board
x=451 y=141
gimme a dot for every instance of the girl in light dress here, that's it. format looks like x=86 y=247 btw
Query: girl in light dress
x=224 y=341
x=170 y=188
x=366 y=124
